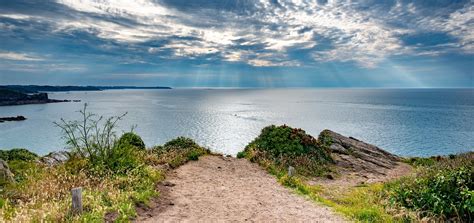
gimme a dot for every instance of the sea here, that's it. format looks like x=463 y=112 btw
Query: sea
x=407 y=122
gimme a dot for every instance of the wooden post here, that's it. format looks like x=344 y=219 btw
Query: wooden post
x=291 y=171
x=76 y=200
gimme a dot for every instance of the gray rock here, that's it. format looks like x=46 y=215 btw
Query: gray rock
x=55 y=158
x=351 y=153
x=5 y=174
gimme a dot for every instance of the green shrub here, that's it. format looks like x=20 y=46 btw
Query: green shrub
x=181 y=142
x=241 y=154
x=284 y=146
x=178 y=151
x=122 y=158
x=444 y=190
x=131 y=139
x=17 y=154
x=193 y=155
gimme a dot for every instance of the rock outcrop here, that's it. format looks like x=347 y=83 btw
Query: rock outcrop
x=55 y=158
x=8 y=119
x=354 y=155
x=5 y=174
x=11 y=97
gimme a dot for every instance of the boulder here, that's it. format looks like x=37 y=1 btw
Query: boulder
x=351 y=153
x=5 y=174
x=55 y=158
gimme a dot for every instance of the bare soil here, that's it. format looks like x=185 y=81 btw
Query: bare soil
x=224 y=189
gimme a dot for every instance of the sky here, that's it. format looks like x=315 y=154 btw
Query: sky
x=238 y=43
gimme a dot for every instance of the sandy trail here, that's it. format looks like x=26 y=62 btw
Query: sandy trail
x=221 y=189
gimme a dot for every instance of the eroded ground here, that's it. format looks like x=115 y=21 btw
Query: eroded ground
x=225 y=189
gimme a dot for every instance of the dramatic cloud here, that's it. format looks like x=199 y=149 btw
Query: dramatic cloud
x=255 y=33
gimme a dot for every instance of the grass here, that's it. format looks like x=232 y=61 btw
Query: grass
x=441 y=191
x=442 y=188
x=276 y=148
x=42 y=193
x=113 y=185
x=116 y=174
x=363 y=204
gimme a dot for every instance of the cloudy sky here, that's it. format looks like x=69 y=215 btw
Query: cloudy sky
x=238 y=43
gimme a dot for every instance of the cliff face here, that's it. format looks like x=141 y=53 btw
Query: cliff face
x=355 y=155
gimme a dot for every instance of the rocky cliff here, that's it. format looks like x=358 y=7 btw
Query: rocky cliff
x=351 y=153
x=11 y=97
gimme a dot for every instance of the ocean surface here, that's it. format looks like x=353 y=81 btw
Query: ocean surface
x=408 y=122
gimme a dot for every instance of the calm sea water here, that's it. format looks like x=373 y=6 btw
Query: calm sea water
x=410 y=122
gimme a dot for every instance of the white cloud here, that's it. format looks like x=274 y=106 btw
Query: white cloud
x=345 y=32
x=17 y=16
x=19 y=56
x=459 y=24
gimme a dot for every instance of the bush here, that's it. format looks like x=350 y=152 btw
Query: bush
x=17 y=154
x=443 y=190
x=181 y=142
x=284 y=146
x=178 y=151
x=131 y=139
x=241 y=154
x=94 y=138
x=122 y=158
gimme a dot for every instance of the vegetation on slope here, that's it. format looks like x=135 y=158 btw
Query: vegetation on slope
x=116 y=174
x=178 y=151
x=441 y=188
x=17 y=154
x=282 y=146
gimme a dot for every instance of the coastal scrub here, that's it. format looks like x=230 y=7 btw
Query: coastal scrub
x=441 y=189
x=278 y=147
x=116 y=174
x=177 y=152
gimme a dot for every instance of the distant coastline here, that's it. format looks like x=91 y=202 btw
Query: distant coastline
x=36 y=94
x=49 y=88
x=12 y=97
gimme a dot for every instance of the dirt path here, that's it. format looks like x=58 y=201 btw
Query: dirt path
x=218 y=189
